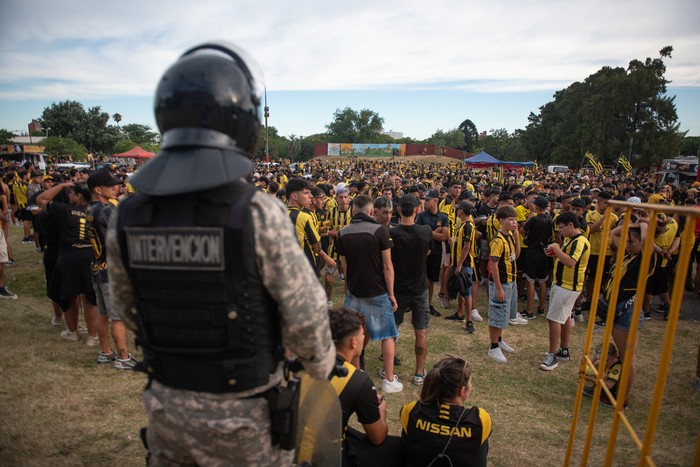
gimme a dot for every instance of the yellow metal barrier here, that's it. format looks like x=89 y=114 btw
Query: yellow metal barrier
x=644 y=443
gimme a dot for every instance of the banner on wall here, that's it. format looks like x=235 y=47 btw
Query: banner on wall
x=333 y=149
x=369 y=149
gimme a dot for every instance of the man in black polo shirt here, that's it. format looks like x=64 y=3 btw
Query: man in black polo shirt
x=365 y=255
x=439 y=223
x=537 y=231
x=412 y=244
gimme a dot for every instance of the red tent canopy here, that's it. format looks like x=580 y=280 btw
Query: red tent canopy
x=136 y=153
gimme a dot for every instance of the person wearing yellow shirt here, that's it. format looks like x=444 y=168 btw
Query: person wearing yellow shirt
x=595 y=221
x=667 y=228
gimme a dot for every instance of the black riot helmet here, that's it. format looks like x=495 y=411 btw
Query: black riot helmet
x=208 y=108
x=213 y=85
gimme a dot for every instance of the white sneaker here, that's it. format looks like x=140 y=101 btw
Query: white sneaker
x=69 y=336
x=578 y=317
x=92 y=341
x=476 y=316
x=391 y=386
x=497 y=354
x=56 y=321
x=82 y=329
x=505 y=347
x=518 y=320
x=445 y=301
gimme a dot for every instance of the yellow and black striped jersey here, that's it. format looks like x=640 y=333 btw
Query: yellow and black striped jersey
x=579 y=249
x=493 y=225
x=503 y=247
x=466 y=233
x=307 y=234
x=338 y=219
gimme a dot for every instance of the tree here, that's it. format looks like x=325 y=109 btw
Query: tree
x=64 y=147
x=471 y=135
x=6 y=136
x=275 y=141
x=68 y=119
x=292 y=147
x=306 y=150
x=453 y=138
x=690 y=146
x=349 y=126
x=140 y=134
x=117 y=118
x=613 y=111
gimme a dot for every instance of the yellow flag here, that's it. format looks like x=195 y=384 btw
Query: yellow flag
x=595 y=163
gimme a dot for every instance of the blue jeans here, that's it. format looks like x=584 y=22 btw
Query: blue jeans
x=379 y=315
x=501 y=312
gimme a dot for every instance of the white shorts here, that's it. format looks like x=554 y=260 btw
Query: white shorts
x=561 y=302
x=4 y=258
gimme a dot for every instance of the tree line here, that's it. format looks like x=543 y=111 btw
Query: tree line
x=613 y=111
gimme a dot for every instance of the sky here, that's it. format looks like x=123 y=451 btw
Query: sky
x=422 y=66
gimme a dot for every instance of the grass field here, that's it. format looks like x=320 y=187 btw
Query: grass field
x=59 y=408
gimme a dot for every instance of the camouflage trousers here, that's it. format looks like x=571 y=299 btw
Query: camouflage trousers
x=194 y=428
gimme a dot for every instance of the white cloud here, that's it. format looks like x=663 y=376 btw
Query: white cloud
x=73 y=48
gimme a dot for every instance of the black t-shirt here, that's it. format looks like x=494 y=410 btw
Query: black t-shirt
x=539 y=232
x=439 y=219
x=411 y=244
x=357 y=394
x=484 y=211
x=97 y=216
x=72 y=225
x=362 y=243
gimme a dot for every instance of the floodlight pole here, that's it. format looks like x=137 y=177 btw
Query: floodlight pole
x=267 y=136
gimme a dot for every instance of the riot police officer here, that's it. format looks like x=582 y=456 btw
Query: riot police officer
x=206 y=270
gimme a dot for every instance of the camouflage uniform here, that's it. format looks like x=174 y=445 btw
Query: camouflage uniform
x=188 y=427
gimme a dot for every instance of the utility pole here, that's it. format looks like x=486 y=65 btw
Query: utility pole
x=267 y=136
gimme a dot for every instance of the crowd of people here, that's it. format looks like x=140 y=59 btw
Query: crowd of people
x=65 y=215
x=392 y=232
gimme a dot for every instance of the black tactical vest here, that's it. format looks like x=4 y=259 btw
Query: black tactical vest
x=206 y=322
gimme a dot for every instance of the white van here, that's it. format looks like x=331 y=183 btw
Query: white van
x=555 y=169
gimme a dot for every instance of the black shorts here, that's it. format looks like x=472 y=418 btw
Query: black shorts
x=537 y=269
x=659 y=281
x=521 y=261
x=432 y=267
x=593 y=266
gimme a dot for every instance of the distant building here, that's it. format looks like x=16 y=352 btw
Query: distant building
x=393 y=134
x=35 y=126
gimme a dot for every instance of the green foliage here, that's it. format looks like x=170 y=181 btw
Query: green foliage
x=123 y=145
x=350 y=126
x=276 y=144
x=140 y=134
x=68 y=119
x=613 y=111
x=471 y=135
x=62 y=147
x=453 y=138
x=306 y=151
x=292 y=147
x=504 y=146
x=5 y=136
x=690 y=146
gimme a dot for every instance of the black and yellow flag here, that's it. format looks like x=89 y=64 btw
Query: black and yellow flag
x=595 y=163
x=625 y=163
x=499 y=174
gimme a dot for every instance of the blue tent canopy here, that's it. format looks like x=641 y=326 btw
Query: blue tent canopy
x=483 y=159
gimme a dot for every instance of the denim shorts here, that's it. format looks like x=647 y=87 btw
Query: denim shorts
x=501 y=312
x=378 y=315
x=624 y=322
x=420 y=310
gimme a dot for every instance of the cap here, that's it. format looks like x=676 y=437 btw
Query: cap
x=578 y=203
x=467 y=194
x=432 y=194
x=466 y=206
x=408 y=200
x=518 y=196
x=102 y=178
x=634 y=199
